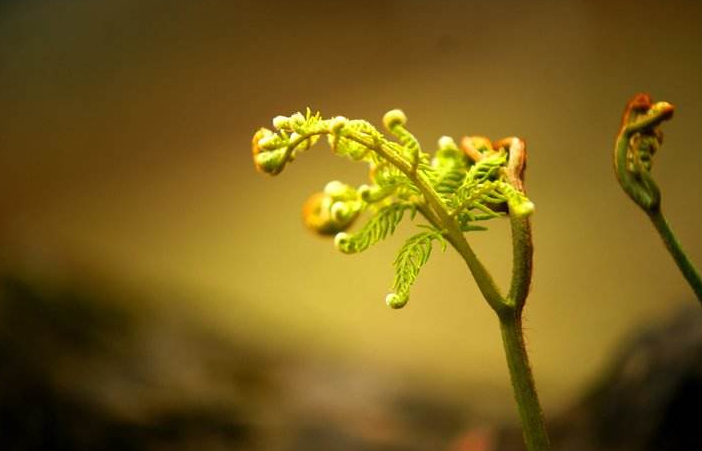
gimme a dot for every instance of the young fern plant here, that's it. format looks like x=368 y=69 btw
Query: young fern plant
x=456 y=190
x=640 y=136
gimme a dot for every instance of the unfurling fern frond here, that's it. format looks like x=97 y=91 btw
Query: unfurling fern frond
x=332 y=210
x=394 y=121
x=382 y=224
x=412 y=256
x=453 y=189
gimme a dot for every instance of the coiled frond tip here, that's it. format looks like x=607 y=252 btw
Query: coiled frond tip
x=446 y=143
x=281 y=122
x=337 y=123
x=395 y=301
x=335 y=189
x=341 y=240
x=393 y=118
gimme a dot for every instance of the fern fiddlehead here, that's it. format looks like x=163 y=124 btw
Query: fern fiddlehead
x=452 y=190
x=640 y=136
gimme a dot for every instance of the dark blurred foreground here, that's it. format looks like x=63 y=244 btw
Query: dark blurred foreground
x=81 y=371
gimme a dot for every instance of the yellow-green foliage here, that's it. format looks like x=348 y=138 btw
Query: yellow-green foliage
x=453 y=184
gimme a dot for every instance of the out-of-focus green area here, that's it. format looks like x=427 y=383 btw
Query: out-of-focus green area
x=125 y=151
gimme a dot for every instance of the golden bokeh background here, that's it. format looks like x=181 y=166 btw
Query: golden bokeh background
x=125 y=130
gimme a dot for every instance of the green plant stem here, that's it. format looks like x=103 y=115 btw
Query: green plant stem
x=671 y=242
x=509 y=312
x=530 y=413
x=522 y=261
x=486 y=284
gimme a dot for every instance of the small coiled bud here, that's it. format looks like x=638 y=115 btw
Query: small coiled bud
x=267 y=160
x=270 y=162
x=315 y=214
x=364 y=192
x=395 y=301
x=394 y=118
x=270 y=142
x=340 y=212
x=297 y=119
x=342 y=242
x=259 y=135
x=281 y=122
x=327 y=215
x=336 y=124
x=335 y=189
x=340 y=191
x=447 y=143
x=265 y=143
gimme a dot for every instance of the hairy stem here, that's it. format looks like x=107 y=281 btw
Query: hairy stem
x=522 y=260
x=530 y=413
x=509 y=312
x=673 y=245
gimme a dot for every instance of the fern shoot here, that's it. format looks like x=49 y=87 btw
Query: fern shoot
x=455 y=190
x=640 y=137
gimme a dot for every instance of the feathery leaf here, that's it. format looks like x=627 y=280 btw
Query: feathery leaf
x=382 y=224
x=412 y=256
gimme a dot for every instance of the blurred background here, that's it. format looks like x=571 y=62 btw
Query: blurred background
x=131 y=215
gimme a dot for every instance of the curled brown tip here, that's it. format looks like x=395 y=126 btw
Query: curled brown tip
x=641 y=112
x=638 y=105
x=641 y=101
x=516 y=164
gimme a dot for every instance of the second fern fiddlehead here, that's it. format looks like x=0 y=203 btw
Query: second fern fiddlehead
x=640 y=136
